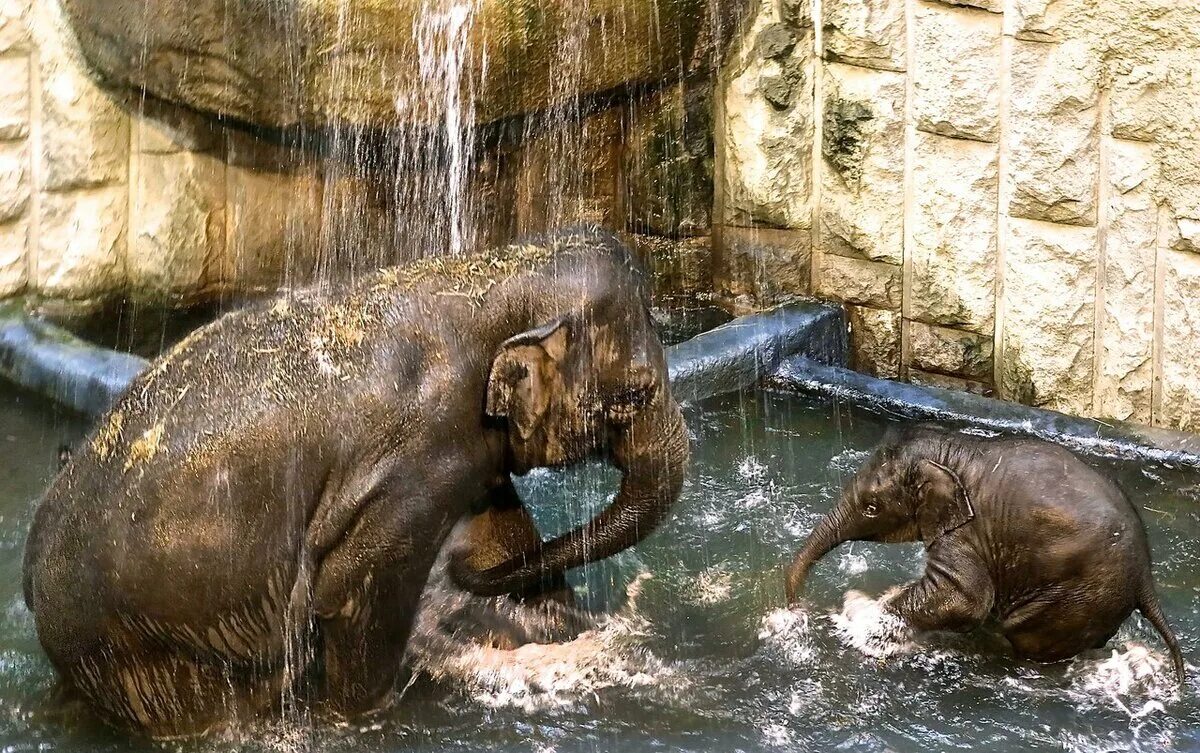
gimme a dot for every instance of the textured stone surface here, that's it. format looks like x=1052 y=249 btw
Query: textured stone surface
x=995 y=6
x=365 y=61
x=1123 y=384
x=177 y=226
x=14 y=97
x=681 y=268
x=765 y=264
x=14 y=180
x=549 y=196
x=1054 y=148
x=1035 y=20
x=862 y=188
x=956 y=89
x=875 y=341
x=1180 y=345
x=946 y=382
x=274 y=223
x=1049 y=316
x=954 y=248
x=1140 y=105
x=668 y=161
x=869 y=33
x=767 y=124
x=85 y=131
x=14 y=25
x=1183 y=234
x=857 y=281
x=14 y=245
x=80 y=249
x=950 y=351
x=164 y=129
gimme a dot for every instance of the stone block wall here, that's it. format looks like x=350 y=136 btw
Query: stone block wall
x=1004 y=193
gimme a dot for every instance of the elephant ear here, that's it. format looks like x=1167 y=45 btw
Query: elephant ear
x=943 y=503
x=522 y=373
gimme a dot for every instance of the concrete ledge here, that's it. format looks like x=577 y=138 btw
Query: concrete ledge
x=1109 y=439
x=49 y=360
x=741 y=353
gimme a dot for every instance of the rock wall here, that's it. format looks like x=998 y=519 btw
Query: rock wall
x=107 y=195
x=1005 y=193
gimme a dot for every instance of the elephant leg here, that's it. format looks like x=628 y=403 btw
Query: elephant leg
x=954 y=595
x=168 y=694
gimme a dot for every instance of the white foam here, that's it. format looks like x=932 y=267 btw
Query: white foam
x=1137 y=680
x=867 y=627
x=713 y=586
x=537 y=677
x=786 y=634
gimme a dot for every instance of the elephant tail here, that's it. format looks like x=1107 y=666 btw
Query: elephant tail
x=1149 y=607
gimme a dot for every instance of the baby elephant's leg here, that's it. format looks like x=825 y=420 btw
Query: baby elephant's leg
x=950 y=596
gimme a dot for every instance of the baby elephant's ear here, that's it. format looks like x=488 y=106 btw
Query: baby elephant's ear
x=943 y=503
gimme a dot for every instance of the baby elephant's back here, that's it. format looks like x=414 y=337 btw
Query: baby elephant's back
x=1075 y=524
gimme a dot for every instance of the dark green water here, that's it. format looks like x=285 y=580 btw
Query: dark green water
x=689 y=666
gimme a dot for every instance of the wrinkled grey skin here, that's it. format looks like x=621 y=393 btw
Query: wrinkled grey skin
x=1015 y=530
x=257 y=517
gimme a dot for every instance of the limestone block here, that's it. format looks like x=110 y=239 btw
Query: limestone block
x=14 y=180
x=856 y=281
x=80 y=248
x=954 y=245
x=680 y=267
x=1123 y=384
x=1054 y=145
x=1183 y=234
x=1180 y=345
x=550 y=195
x=868 y=33
x=767 y=124
x=274 y=223
x=85 y=131
x=14 y=25
x=163 y=129
x=668 y=161
x=765 y=264
x=1140 y=105
x=950 y=351
x=956 y=86
x=1035 y=20
x=874 y=341
x=862 y=184
x=14 y=244
x=177 y=228
x=945 y=382
x=1050 y=312
x=14 y=98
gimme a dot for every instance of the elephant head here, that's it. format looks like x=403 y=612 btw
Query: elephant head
x=590 y=378
x=908 y=490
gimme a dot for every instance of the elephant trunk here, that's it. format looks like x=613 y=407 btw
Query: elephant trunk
x=828 y=534
x=652 y=453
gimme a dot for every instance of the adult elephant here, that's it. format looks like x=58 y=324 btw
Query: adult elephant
x=1016 y=530
x=256 y=518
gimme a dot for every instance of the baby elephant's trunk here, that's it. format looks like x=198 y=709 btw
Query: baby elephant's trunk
x=1149 y=607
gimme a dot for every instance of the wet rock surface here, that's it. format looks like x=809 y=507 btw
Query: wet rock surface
x=319 y=62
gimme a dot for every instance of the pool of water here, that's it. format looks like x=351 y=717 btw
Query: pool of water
x=699 y=656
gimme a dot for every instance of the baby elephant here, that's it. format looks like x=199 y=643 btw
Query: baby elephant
x=1015 y=529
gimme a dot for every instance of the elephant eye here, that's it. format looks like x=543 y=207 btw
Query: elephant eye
x=871 y=509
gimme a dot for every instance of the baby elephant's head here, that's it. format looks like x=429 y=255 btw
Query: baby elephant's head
x=906 y=491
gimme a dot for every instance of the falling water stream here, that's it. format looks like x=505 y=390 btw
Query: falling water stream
x=699 y=655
